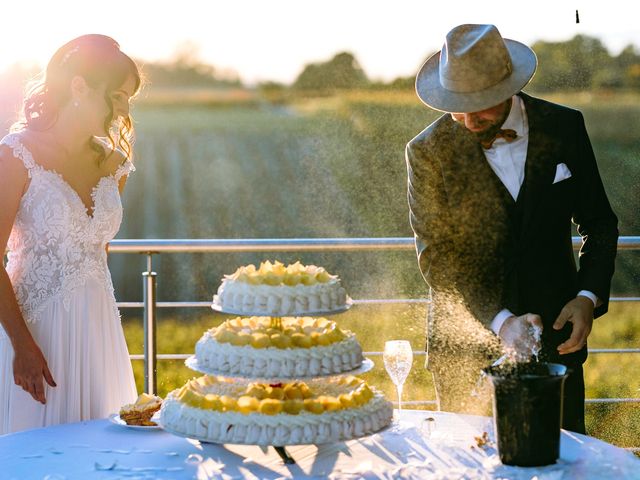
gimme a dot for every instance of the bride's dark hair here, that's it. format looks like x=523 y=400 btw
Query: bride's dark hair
x=97 y=59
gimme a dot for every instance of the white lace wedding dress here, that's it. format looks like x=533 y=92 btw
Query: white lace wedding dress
x=57 y=264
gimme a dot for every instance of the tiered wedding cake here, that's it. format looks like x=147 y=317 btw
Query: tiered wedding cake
x=277 y=408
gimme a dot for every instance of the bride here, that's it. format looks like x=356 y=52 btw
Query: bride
x=63 y=356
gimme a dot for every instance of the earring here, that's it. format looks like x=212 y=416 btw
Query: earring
x=76 y=103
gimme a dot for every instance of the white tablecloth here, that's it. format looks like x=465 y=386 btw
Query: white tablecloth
x=100 y=450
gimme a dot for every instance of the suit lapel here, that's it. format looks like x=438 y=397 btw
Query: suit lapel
x=540 y=163
x=465 y=168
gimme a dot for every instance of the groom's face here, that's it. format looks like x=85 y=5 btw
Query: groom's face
x=486 y=120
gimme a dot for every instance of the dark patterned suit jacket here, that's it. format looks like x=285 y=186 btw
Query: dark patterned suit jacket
x=480 y=251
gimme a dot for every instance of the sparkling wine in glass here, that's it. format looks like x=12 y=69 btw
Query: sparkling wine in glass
x=398 y=358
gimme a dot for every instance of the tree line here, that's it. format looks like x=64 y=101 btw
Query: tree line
x=582 y=63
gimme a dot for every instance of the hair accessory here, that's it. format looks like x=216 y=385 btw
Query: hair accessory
x=67 y=55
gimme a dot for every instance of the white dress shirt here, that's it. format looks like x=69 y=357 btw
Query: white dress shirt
x=507 y=160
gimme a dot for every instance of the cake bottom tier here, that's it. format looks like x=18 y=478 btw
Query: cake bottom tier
x=275 y=430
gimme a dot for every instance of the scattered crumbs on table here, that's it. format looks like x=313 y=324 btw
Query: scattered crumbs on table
x=483 y=440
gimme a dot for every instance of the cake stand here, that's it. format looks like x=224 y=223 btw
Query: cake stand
x=192 y=363
x=220 y=309
x=276 y=322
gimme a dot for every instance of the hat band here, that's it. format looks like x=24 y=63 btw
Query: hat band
x=477 y=84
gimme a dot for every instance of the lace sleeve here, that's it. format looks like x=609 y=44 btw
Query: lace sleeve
x=19 y=151
x=125 y=169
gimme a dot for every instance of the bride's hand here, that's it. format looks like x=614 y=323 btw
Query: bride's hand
x=29 y=368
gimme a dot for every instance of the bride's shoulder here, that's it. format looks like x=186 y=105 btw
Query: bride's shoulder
x=115 y=159
x=15 y=165
x=14 y=153
x=116 y=162
x=13 y=140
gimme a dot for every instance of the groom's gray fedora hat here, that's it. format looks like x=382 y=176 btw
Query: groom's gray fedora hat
x=476 y=69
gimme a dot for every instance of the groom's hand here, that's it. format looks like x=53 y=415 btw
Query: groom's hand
x=517 y=334
x=578 y=311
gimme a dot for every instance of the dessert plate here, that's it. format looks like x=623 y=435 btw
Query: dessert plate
x=220 y=309
x=116 y=420
x=192 y=363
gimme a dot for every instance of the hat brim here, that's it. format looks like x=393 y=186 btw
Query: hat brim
x=434 y=95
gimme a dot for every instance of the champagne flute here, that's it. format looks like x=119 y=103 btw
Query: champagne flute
x=398 y=357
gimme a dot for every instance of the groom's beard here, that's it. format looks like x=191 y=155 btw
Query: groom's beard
x=489 y=134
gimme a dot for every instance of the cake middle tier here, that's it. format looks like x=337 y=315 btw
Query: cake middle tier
x=286 y=347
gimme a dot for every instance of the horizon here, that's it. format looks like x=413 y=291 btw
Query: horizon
x=273 y=41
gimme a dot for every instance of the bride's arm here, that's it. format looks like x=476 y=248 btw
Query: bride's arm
x=29 y=364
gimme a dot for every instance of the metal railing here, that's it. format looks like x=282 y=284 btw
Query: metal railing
x=154 y=247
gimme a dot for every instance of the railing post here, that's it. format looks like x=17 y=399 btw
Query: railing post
x=150 y=358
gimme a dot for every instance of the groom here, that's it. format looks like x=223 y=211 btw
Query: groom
x=494 y=185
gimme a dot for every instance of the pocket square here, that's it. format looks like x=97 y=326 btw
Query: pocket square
x=562 y=172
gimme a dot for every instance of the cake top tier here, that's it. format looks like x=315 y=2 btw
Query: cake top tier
x=280 y=291
x=275 y=274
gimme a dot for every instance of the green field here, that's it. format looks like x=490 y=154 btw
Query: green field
x=333 y=166
x=319 y=167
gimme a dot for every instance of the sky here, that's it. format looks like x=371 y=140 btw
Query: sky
x=274 y=39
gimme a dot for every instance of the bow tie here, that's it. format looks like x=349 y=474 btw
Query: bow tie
x=508 y=134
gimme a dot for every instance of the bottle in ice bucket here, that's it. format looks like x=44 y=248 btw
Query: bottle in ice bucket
x=527 y=411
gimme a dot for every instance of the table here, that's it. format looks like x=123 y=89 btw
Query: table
x=101 y=450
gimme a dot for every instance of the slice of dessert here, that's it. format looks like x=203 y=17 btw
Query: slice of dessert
x=140 y=412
